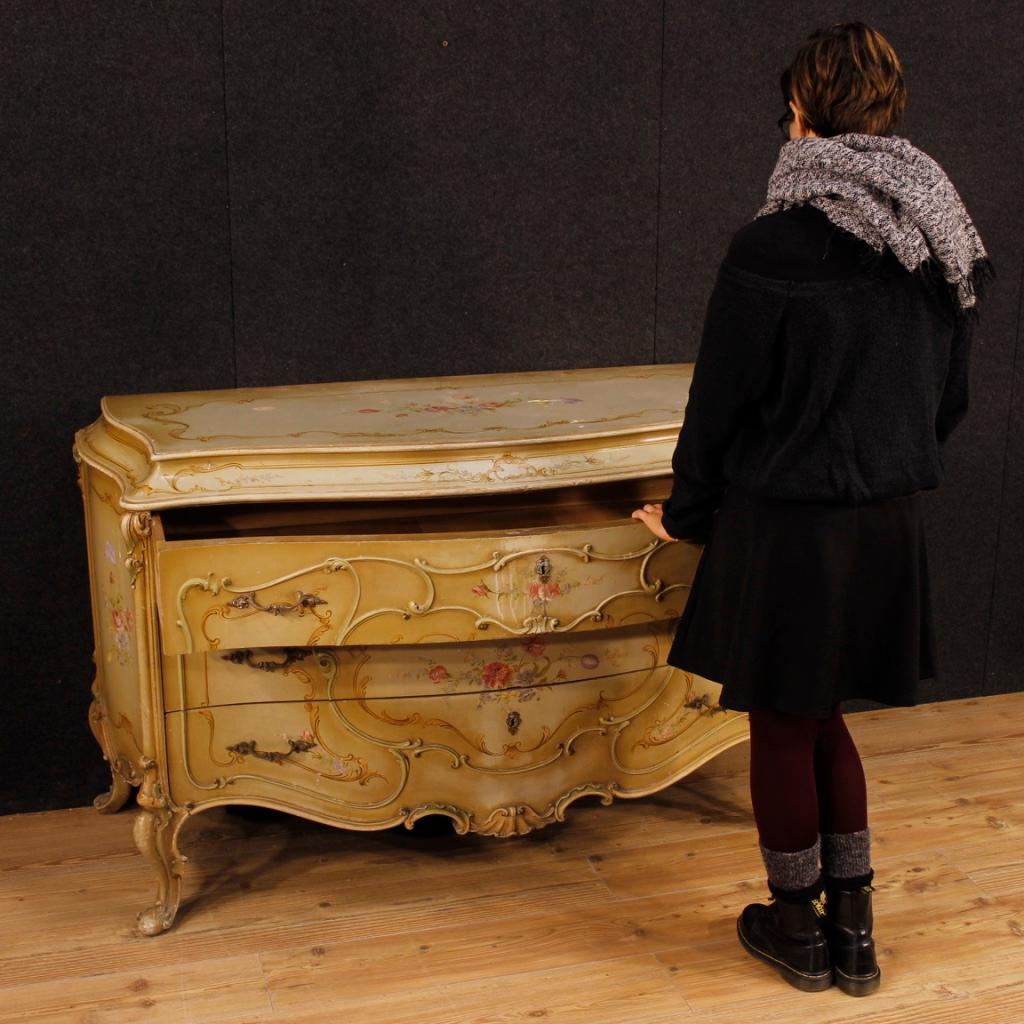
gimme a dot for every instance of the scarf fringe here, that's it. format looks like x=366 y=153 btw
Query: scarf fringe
x=979 y=282
x=929 y=273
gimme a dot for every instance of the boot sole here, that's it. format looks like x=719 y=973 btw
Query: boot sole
x=858 y=985
x=798 y=979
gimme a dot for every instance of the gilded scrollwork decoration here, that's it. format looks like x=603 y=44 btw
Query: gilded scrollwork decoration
x=540 y=591
x=136 y=528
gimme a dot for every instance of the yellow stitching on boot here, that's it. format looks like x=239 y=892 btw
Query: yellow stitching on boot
x=819 y=907
x=860 y=977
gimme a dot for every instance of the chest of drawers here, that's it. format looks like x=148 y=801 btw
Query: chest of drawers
x=372 y=601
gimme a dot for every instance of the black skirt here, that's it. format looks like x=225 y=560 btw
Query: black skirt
x=796 y=605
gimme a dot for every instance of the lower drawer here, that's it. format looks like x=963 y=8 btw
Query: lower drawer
x=495 y=763
x=259 y=675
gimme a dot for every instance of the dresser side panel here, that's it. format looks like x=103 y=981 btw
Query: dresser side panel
x=116 y=714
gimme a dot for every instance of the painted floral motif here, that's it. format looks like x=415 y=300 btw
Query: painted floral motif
x=121 y=623
x=512 y=672
x=471 y=404
x=543 y=591
x=497 y=673
x=461 y=404
x=526 y=584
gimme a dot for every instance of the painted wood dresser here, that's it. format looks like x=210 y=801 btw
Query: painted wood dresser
x=371 y=601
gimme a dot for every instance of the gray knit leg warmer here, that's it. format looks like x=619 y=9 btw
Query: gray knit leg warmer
x=846 y=855
x=793 y=874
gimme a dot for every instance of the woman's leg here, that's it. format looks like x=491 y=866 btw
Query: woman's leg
x=784 y=796
x=846 y=858
x=842 y=798
x=789 y=933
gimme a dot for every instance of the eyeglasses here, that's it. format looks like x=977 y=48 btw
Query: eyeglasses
x=784 y=122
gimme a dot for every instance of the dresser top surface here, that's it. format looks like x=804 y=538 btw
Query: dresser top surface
x=413 y=413
x=236 y=440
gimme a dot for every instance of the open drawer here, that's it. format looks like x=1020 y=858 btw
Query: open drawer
x=227 y=593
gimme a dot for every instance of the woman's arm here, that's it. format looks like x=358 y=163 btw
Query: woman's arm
x=953 y=404
x=732 y=370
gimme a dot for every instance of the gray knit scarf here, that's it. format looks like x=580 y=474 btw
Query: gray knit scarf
x=888 y=193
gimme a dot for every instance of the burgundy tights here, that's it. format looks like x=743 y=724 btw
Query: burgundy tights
x=805 y=778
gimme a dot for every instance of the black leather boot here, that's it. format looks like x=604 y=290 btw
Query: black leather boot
x=787 y=935
x=847 y=926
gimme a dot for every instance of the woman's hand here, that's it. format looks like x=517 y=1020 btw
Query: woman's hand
x=651 y=515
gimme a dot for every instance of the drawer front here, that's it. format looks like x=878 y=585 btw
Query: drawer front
x=478 y=757
x=259 y=675
x=276 y=592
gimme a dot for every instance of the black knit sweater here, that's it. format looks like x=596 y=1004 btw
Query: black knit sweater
x=824 y=372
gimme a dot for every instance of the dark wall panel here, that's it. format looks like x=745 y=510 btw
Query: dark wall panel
x=424 y=188
x=1005 y=662
x=720 y=144
x=968 y=513
x=116 y=279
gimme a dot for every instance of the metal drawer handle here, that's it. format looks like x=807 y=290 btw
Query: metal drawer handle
x=249 y=601
x=244 y=656
x=246 y=747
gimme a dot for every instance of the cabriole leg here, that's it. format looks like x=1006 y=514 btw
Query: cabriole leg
x=114 y=798
x=156 y=835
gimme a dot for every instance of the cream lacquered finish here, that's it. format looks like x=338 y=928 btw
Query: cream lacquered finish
x=372 y=601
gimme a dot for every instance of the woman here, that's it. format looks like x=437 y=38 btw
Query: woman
x=832 y=367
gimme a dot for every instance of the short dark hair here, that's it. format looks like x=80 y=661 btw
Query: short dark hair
x=846 y=78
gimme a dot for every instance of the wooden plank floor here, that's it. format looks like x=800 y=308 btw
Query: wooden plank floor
x=621 y=914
